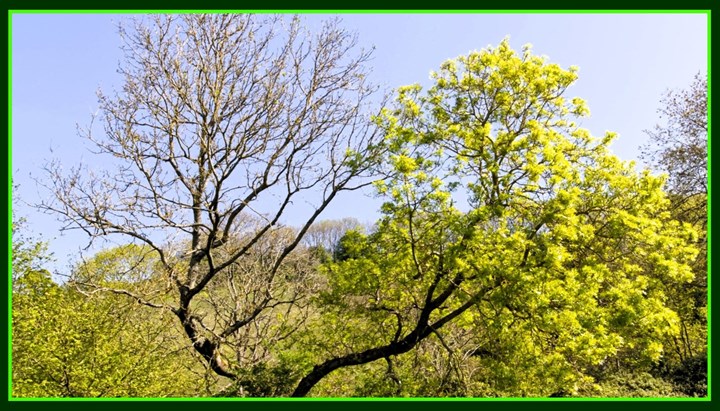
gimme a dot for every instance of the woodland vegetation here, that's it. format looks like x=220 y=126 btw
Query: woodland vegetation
x=515 y=255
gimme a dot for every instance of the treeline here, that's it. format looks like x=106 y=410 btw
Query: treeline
x=515 y=255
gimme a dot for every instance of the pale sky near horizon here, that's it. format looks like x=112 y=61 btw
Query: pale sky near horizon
x=627 y=61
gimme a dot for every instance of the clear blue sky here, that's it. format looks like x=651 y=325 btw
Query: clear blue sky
x=626 y=62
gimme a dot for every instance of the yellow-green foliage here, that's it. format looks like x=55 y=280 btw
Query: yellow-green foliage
x=68 y=344
x=497 y=188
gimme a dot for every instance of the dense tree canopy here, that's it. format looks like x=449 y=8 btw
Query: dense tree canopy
x=69 y=343
x=505 y=218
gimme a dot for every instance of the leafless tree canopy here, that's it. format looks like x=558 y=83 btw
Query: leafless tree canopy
x=679 y=145
x=223 y=122
x=326 y=234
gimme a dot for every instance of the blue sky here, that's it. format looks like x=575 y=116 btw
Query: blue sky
x=626 y=63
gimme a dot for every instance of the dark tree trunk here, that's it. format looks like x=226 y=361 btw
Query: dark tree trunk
x=395 y=348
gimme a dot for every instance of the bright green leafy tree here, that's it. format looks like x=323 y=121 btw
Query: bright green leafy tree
x=505 y=218
x=70 y=342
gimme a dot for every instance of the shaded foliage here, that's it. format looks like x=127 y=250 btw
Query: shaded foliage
x=679 y=147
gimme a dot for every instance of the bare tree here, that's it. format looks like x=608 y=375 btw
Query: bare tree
x=678 y=147
x=222 y=124
x=326 y=234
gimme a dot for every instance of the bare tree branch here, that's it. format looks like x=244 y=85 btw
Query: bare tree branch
x=222 y=123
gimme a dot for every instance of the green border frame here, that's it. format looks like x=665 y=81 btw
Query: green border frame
x=9 y=203
x=559 y=7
